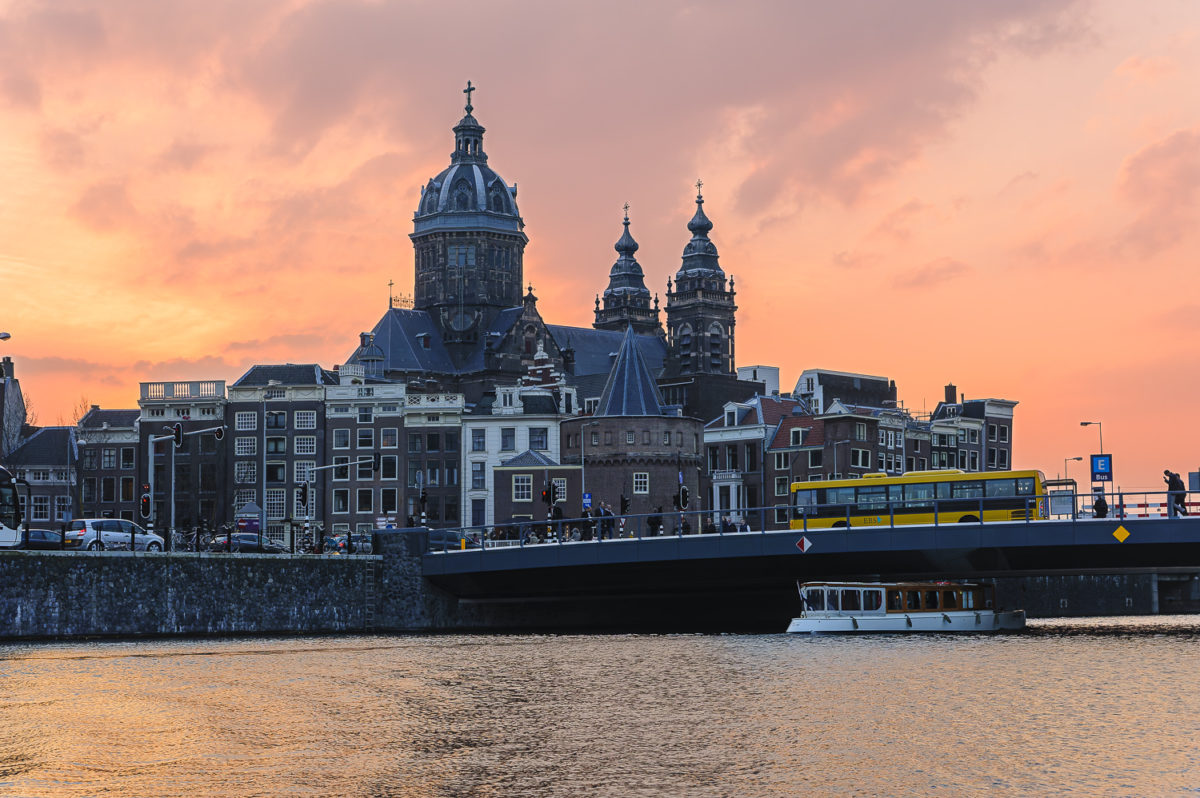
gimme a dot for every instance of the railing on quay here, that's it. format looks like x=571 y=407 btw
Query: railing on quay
x=1070 y=506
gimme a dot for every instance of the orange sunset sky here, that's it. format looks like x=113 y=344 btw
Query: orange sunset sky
x=999 y=195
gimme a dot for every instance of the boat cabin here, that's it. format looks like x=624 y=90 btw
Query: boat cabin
x=875 y=598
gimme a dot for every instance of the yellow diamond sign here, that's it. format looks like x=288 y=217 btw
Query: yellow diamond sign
x=1120 y=534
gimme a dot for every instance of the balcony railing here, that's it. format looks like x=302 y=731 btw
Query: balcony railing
x=198 y=389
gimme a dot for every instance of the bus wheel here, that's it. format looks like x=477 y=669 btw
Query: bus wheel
x=968 y=519
x=840 y=525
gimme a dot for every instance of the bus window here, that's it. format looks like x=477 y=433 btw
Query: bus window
x=1001 y=487
x=894 y=603
x=912 y=599
x=839 y=496
x=916 y=496
x=833 y=599
x=873 y=497
x=931 y=599
x=950 y=599
x=1025 y=486
x=895 y=496
x=802 y=503
x=872 y=599
x=943 y=490
x=850 y=600
x=966 y=490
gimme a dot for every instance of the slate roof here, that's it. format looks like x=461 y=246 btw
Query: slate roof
x=401 y=334
x=594 y=348
x=630 y=390
x=783 y=433
x=97 y=417
x=589 y=386
x=528 y=458
x=761 y=410
x=286 y=374
x=493 y=337
x=47 y=446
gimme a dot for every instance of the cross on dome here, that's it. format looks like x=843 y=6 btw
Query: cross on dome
x=467 y=91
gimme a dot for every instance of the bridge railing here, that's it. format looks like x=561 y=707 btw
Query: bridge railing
x=598 y=529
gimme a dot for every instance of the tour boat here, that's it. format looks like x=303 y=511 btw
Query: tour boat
x=861 y=607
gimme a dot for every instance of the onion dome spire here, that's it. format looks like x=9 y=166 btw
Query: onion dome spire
x=700 y=253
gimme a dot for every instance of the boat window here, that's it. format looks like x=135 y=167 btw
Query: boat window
x=1025 y=486
x=912 y=599
x=850 y=600
x=872 y=497
x=967 y=490
x=833 y=599
x=968 y=599
x=814 y=599
x=894 y=603
x=950 y=599
x=1001 y=487
x=931 y=599
x=872 y=599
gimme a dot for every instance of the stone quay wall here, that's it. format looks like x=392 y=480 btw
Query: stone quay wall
x=115 y=594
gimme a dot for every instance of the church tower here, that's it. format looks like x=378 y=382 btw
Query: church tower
x=627 y=300
x=469 y=243
x=700 y=309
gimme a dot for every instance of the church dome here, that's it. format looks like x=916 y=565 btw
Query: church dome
x=700 y=254
x=468 y=193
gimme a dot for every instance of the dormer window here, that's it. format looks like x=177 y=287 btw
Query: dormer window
x=731 y=418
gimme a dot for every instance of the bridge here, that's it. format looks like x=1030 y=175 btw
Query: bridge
x=747 y=580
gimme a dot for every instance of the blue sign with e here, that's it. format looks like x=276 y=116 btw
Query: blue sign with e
x=1102 y=468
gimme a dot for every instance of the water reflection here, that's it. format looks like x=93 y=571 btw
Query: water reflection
x=1101 y=706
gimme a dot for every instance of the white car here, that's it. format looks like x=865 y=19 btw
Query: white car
x=96 y=534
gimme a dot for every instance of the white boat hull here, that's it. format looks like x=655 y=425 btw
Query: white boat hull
x=958 y=621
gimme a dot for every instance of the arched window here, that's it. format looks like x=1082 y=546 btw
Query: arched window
x=463 y=195
x=496 y=202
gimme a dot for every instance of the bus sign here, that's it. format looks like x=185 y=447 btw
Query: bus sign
x=1102 y=468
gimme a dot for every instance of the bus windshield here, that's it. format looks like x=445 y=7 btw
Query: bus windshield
x=10 y=507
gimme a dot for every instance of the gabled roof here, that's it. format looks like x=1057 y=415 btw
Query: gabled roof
x=630 y=390
x=97 y=417
x=528 y=458
x=286 y=374
x=410 y=342
x=594 y=348
x=47 y=446
x=766 y=410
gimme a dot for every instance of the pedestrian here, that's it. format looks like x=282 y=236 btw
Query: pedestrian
x=1100 y=508
x=726 y=525
x=1175 y=493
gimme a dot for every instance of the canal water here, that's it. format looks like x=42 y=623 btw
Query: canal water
x=1084 y=707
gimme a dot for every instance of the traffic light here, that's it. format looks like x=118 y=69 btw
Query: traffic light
x=546 y=495
x=145 y=505
x=177 y=431
x=219 y=433
x=624 y=504
x=554 y=497
x=303 y=496
x=683 y=497
x=424 y=498
x=376 y=459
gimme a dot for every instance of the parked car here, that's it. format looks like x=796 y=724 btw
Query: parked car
x=246 y=542
x=337 y=544
x=43 y=539
x=96 y=534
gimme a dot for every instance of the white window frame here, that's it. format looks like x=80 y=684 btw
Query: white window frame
x=245 y=446
x=782 y=461
x=244 y=421
x=522 y=488
x=782 y=486
x=304 y=444
x=305 y=419
x=276 y=504
x=245 y=472
x=641 y=483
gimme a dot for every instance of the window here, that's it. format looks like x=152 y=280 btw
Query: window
x=89 y=490
x=365 y=415
x=276 y=445
x=814 y=458
x=860 y=431
x=962 y=436
x=341 y=500
x=245 y=446
x=450 y=441
x=479 y=440
x=363 y=468
x=276 y=504
x=537 y=439
x=303 y=470
x=389 y=438
x=305 y=419
x=714 y=461
x=781 y=514
x=126 y=489
x=245 y=421
x=1003 y=459
x=109 y=459
x=389 y=467
x=561 y=484
x=666 y=439
x=451 y=472
x=641 y=482
x=882 y=438
x=796 y=436
x=343 y=473
x=991 y=458
x=508 y=439
x=595 y=439
x=91 y=459
x=630 y=437
x=277 y=419
x=781 y=486
x=433 y=442
x=522 y=487
x=277 y=472
x=1003 y=433
x=365 y=500
x=478 y=477
x=860 y=458
x=414 y=470
x=974 y=436
x=108 y=489
x=305 y=444
x=731 y=458
x=245 y=471
x=341 y=439
x=388 y=501
x=127 y=460
x=41 y=508
x=781 y=461
x=991 y=432
x=414 y=443
x=366 y=438
x=432 y=473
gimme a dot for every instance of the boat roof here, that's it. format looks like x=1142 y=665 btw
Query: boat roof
x=925 y=585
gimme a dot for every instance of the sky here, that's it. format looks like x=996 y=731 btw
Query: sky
x=1003 y=196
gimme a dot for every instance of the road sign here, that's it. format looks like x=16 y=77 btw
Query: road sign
x=1102 y=468
x=587 y=501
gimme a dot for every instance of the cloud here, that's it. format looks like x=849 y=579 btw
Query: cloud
x=183 y=368
x=1146 y=70
x=295 y=341
x=38 y=366
x=105 y=207
x=62 y=149
x=21 y=90
x=932 y=274
x=897 y=225
x=1163 y=181
x=854 y=260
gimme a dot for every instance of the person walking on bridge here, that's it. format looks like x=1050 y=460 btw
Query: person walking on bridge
x=1175 y=493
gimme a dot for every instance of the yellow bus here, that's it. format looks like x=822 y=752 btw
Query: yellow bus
x=919 y=497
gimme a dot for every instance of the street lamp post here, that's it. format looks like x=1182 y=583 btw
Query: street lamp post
x=837 y=474
x=1069 y=460
x=1100 y=427
x=583 y=455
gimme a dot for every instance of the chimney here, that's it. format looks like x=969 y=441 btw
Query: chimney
x=6 y=368
x=951 y=392
x=364 y=340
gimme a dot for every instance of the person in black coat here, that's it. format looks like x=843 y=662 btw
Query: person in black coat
x=1175 y=493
